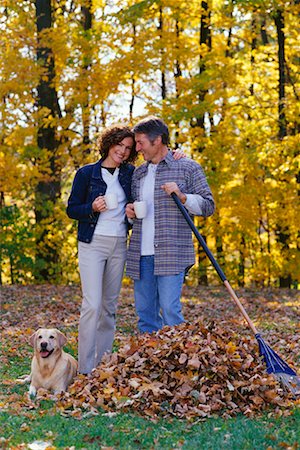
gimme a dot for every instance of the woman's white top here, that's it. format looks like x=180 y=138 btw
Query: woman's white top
x=112 y=221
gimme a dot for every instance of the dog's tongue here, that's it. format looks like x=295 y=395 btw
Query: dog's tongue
x=44 y=354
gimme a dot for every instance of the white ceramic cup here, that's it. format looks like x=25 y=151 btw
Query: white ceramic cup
x=111 y=201
x=140 y=209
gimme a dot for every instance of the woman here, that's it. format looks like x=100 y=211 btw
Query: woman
x=101 y=241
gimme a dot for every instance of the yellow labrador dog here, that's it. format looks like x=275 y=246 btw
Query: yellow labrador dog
x=51 y=367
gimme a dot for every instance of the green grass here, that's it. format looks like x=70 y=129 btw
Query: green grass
x=131 y=432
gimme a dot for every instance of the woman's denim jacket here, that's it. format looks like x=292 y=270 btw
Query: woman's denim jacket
x=87 y=185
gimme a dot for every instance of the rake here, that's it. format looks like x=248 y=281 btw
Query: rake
x=275 y=365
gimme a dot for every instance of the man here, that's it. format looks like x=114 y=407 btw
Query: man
x=161 y=246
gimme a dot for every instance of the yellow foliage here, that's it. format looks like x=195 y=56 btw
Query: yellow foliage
x=219 y=96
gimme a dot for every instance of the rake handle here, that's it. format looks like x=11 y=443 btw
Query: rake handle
x=214 y=262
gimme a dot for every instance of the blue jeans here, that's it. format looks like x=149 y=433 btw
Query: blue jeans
x=153 y=293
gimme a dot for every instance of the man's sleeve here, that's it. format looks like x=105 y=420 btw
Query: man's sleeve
x=200 y=200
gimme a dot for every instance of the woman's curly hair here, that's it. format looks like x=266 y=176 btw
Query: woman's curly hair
x=114 y=135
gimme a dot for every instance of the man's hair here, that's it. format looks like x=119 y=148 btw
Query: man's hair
x=114 y=135
x=153 y=127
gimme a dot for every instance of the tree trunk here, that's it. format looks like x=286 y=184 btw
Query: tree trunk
x=177 y=76
x=263 y=32
x=202 y=265
x=242 y=262
x=279 y=22
x=253 y=48
x=86 y=11
x=205 y=38
x=282 y=230
x=162 y=53
x=49 y=187
x=133 y=76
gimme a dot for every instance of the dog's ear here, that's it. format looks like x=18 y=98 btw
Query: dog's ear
x=61 y=338
x=32 y=338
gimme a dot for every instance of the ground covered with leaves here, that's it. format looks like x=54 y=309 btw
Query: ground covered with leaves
x=206 y=367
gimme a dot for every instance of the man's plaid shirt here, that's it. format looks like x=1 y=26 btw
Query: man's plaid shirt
x=173 y=244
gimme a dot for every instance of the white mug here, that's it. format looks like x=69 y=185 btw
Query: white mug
x=140 y=209
x=111 y=201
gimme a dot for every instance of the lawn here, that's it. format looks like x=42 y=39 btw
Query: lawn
x=36 y=424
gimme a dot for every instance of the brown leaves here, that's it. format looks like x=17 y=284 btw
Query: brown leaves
x=188 y=371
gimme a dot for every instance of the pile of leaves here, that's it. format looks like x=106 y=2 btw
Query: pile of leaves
x=188 y=371
x=208 y=367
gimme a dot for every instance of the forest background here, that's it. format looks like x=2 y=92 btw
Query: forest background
x=224 y=75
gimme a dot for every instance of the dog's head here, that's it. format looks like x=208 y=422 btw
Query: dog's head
x=46 y=341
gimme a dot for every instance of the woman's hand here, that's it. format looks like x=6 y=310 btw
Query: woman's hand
x=99 y=204
x=129 y=210
x=178 y=154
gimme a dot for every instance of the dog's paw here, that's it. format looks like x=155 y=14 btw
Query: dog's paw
x=24 y=379
x=59 y=391
x=32 y=392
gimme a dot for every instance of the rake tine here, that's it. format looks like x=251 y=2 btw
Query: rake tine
x=275 y=365
x=282 y=372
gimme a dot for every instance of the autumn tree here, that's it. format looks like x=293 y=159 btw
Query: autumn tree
x=224 y=76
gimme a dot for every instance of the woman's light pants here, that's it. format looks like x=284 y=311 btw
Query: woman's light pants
x=101 y=266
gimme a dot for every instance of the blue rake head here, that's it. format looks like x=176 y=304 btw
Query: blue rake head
x=279 y=368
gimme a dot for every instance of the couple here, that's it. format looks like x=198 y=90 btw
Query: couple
x=161 y=246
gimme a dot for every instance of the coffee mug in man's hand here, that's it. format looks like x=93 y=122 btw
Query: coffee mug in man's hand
x=140 y=209
x=111 y=201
